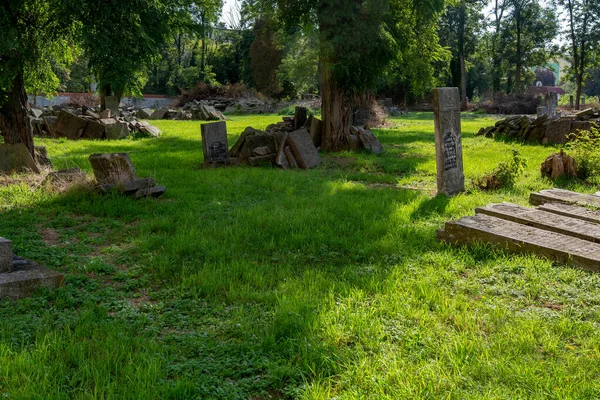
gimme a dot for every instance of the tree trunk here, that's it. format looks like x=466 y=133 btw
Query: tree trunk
x=336 y=111
x=14 y=119
x=519 y=55
x=461 y=56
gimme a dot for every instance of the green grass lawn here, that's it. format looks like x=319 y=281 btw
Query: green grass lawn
x=258 y=283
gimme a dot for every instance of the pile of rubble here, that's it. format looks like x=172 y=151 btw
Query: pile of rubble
x=543 y=129
x=88 y=124
x=196 y=110
x=292 y=143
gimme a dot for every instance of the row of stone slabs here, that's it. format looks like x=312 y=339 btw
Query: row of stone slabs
x=564 y=227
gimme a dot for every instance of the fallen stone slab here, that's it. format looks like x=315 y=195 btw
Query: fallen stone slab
x=106 y=114
x=237 y=147
x=155 y=192
x=565 y=197
x=304 y=150
x=558 y=131
x=36 y=112
x=16 y=158
x=543 y=220
x=69 y=125
x=281 y=159
x=50 y=121
x=130 y=188
x=521 y=238
x=582 y=213
x=112 y=168
x=144 y=113
x=316 y=131
x=26 y=278
x=41 y=156
x=159 y=113
x=6 y=255
x=148 y=129
x=261 y=160
x=291 y=159
x=117 y=130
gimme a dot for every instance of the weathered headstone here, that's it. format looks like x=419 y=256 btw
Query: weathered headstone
x=448 y=141
x=112 y=168
x=557 y=131
x=159 y=113
x=116 y=130
x=112 y=103
x=16 y=158
x=316 y=131
x=303 y=148
x=26 y=278
x=214 y=143
x=93 y=130
x=369 y=141
x=6 y=255
x=541 y=111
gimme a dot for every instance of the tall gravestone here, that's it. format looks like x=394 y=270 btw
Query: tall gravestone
x=448 y=141
x=214 y=143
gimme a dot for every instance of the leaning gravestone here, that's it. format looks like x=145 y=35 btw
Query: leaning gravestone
x=448 y=141
x=112 y=103
x=214 y=143
x=16 y=158
x=113 y=168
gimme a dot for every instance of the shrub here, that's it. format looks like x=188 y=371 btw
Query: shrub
x=584 y=147
x=505 y=174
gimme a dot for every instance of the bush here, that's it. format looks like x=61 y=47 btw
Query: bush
x=505 y=174
x=584 y=147
x=500 y=103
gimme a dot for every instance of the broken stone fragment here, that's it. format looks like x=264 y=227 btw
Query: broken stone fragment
x=41 y=156
x=261 y=151
x=130 y=188
x=66 y=177
x=69 y=125
x=26 y=278
x=304 y=150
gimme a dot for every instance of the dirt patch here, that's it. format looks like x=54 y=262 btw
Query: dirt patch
x=50 y=236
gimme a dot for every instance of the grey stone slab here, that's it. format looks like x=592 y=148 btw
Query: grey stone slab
x=557 y=131
x=521 y=238
x=316 y=131
x=130 y=188
x=255 y=141
x=144 y=113
x=66 y=177
x=239 y=144
x=281 y=159
x=568 y=210
x=26 y=278
x=107 y=114
x=6 y=255
x=448 y=141
x=50 y=121
x=303 y=148
x=93 y=130
x=544 y=220
x=16 y=158
x=112 y=168
x=565 y=197
x=369 y=141
x=291 y=159
x=214 y=143
x=112 y=103
x=69 y=125
x=117 y=130
x=300 y=117
x=155 y=192
x=159 y=113
x=36 y=112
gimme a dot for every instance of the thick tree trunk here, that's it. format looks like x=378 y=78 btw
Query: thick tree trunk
x=336 y=111
x=14 y=115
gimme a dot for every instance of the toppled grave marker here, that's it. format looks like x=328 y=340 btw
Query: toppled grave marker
x=565 y=197
x=368 y=140
x=16 y=158
x=115 y=172
x=448 y=141
x=557 y=230
x=69 y=125
x=21 y=278
x=214 y=143
x=303 y=149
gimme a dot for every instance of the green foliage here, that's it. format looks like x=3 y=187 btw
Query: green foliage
x=300 y=63
x=505 y=175
x=584 y=147
x=121 y=40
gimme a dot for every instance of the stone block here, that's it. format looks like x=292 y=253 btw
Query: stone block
x=16 y=158
x=69 y=125
x=316 y=131
x=116 y=130
x=26 y=278
x=290 y=157
x=144 y=113
x=369 y=141
x=112 y=103
x=6 y=255
x=159 y=113
x=130 y=188
x=214 y=143
x=93 y=130
x=300 y=117
x=112 y=168
x=106 y=114
x=557 y=131
x=304 y=150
